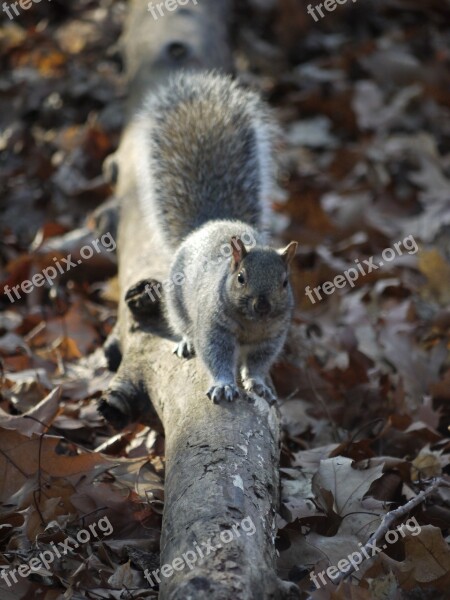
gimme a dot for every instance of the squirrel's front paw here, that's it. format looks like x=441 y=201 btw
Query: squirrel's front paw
x=220 y=392
x=184 y=349
x=258 y=387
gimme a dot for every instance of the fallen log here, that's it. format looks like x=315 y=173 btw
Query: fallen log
x=222 y=482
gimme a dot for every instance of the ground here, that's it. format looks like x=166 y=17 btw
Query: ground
x=363 y=97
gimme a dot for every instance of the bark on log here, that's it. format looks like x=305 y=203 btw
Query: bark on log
x=221 y=461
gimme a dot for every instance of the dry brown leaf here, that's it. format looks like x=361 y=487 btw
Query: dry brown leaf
x=437 y=270
x=22 y=458
x=37 y=420
x=349 y=485
x=426 y=465
x=427 y=559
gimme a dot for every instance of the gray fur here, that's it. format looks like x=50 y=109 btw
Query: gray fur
x=205 y=173
x=204 y=151
x=216 y=318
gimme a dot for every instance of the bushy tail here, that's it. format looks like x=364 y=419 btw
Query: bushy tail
x=204 y=152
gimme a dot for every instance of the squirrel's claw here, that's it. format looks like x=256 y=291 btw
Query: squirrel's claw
x=260 y=389
x=218 y=393
x=184 y=349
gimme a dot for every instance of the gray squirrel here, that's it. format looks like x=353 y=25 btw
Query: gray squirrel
x=205 y=172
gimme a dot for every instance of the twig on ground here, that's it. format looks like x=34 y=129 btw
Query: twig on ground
x=388 y=519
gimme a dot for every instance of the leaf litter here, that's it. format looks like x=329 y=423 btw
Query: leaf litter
x=364 y=100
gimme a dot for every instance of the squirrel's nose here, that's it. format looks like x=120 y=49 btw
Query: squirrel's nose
x=261 y=305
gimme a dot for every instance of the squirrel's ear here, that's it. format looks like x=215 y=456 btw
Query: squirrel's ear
x=239 y=251
x=288 y=253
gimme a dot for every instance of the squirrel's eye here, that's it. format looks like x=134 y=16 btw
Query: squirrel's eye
x=241 y=278
x=285 y=283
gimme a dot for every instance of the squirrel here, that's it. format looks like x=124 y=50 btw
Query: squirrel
x=205 y=171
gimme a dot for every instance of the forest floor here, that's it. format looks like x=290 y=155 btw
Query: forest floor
x=363 y=97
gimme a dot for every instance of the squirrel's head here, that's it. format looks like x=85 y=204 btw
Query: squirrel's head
x=258 y=284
